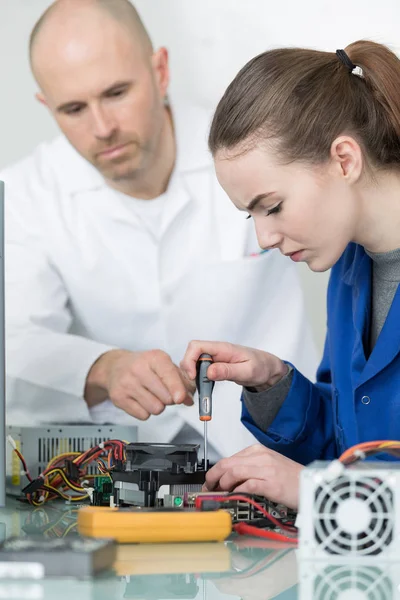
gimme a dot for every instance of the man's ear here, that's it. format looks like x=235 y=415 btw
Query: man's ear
x=348 y=156
x=160 y=65
x=40 y=98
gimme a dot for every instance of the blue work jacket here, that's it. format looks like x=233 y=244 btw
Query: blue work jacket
x=356 y=397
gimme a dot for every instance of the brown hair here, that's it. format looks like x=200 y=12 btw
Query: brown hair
x=301 y=100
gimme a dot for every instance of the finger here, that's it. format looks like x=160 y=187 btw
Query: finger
x=190 y=387
x=148 y=401
x=156 y=387
x=234 y=476
x=226 y=465
x=214 y=474
x=188 y=401
x=170 y=376
x=253 y=486
x=213 y=491
x=237 y=372
x=131 y=407
x=220 y=351
x=208 y=486
x=188 y=383
x=239 y=470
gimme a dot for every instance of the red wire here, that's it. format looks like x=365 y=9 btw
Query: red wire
x=21 y=458
x=108 y=444
x=258 y=506
x=244 y=529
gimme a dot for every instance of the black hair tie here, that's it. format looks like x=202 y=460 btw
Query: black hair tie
x=345 y=59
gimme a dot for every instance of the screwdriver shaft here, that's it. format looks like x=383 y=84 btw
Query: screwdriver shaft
x=205 y=446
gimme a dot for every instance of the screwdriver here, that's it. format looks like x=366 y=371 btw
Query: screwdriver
x=204 y=388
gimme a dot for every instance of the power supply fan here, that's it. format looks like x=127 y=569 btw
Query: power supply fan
x=353 y=516
x=338 y=582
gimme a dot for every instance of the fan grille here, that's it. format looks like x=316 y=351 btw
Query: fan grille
x=341 y=582
x=336 y=499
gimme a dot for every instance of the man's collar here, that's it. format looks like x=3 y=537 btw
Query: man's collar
x=74 y=173
x=191 y=126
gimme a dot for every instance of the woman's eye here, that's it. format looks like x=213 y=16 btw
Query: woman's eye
x=274 y=210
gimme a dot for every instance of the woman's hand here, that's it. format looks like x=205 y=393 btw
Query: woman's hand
x=245 y=366
x=257 y=470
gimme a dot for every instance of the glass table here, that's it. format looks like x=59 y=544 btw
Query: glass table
x=241 y=568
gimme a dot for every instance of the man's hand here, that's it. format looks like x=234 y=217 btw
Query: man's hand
x=140 y=383
x=245 y=366
x=257 y=470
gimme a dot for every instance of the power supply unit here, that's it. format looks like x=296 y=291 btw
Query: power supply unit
x=40 y=444
x=351 y=511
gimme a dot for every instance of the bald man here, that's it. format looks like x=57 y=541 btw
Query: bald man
x=122 y=247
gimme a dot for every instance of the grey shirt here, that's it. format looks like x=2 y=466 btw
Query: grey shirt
x=264 y=406
x=385 y=280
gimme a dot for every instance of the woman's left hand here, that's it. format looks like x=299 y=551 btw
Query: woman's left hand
x=257 y=470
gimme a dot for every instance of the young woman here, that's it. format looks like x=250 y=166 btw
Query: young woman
x=308 y=144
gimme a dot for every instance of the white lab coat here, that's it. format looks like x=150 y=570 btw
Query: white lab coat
x=83 y=276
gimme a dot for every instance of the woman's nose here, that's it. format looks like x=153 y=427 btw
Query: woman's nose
x=268 y=239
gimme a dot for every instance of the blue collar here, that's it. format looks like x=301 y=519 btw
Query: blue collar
x=355 y=261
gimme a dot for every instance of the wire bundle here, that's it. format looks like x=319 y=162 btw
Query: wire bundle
x=367 y=449
x=66 y=474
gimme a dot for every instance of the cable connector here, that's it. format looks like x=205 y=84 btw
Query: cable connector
x=33 y=486
x=360 y=454
x=333 y=470
x=90 y=491
x=72 y=470
x=12 y=443
x=208 y=505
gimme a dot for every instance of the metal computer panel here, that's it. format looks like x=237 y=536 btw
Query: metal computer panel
x=2 y=356
x=350 y=512
x=40 y=444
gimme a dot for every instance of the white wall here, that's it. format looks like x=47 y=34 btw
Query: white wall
x=208 y=40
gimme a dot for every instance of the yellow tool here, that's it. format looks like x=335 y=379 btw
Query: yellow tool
x=206 y=557
x=154 y=525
